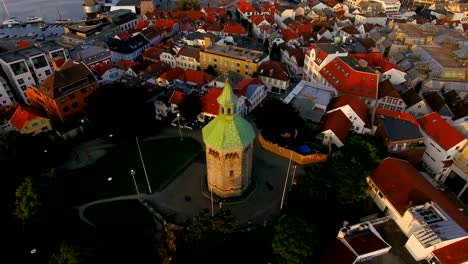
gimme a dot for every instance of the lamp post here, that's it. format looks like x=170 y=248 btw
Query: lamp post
x=286 y=182
x=143 y=164
x=178 y=124
x=292 y=179
x=132 y=172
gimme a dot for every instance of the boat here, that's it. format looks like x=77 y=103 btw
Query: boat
x=63 y=21
x=12 y=21
x=33 y=19
x=43 y=25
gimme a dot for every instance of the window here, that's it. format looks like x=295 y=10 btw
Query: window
x=448 y=157
x=39 y=62
x=48 y=72
x=19 y=68
x=20 y=81
x=231 y=173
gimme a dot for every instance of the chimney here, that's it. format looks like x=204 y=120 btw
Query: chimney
x=362 y=63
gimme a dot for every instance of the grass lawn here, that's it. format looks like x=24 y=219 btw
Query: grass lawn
x=163 y=158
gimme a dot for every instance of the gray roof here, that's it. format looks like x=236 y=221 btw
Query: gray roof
x=411 y=97
x=24 y=53
x=89 y=54
x=399 y=129
x=128 y=3
x=194 y=35
x=233 y=77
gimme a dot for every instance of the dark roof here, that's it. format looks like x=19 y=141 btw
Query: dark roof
x=126 y=47
x=128 y=3
x=337 y=252
x=437 y=104
x=386 y=89
x=274 y=69
x=399 y=129
x=411 y=97
x=365 y=241
x=338 y=123
x=456 y=104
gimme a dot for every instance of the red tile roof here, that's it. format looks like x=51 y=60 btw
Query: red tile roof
x=359 y=107
x=126 y=64
x=152 y=53
x=164 y=24
x=455 y=253
x=177 y=97
x=404 y=186
x=397 y=115
x=241 y=87
x=209 y=101
x=288 y=35
x=172 y=74
x=245 y=7
x=257 y=19
x=236 y=29
x=199 y=77
x=347 y=76
x=440 y=131
x=101 y=68
x=274 y=69
x=142 y=25
x=338 y=123
x=124 y=35
x=214 y=11
x=365 y=243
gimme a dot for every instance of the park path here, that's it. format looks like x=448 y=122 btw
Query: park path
x=82 y=208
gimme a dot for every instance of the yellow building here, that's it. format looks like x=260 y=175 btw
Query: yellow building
x=228 y=57
x=26 y=121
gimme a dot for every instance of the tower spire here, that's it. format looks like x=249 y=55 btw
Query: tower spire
x=227 y=101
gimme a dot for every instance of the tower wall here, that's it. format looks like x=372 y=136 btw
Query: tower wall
x=228 y=172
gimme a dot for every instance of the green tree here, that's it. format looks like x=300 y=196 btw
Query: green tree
x=294 y=240
x=66 y=254
x=350 y=165
x=186 y=5
x=27 y=201
x=275 y=53
x=206 y=234
x=190 y=106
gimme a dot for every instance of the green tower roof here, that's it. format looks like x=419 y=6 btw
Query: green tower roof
x=228 y=131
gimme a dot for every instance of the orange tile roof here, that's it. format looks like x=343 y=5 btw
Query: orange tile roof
x=124 y=35
x=164 y=24
x=215 y=11
x=23 y=44
x=403 y=186
x=209 y=101
x=440 y=131
x=345 y=74
x=361 y=108
x=245 y=7
x=338 y=123
x=142 y=25
x=21 y=116
x=397 y=115
x=288 y=34
x=242 y=86
x=455 y=253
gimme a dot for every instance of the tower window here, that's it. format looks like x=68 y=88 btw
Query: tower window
x=231 y=173
x=229 y=111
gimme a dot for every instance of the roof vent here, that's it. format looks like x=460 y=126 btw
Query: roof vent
x=434 y=120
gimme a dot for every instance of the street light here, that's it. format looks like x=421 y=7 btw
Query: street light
x=294 y=174
x=143 y=164
x=286 y=182
x=178 y=124
x=132 y=172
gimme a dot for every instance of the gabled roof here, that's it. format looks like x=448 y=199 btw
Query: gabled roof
x=411 y=97
x=242 y=86
x=437 y=103
x=150 y=33
x=189 y=52
x=209 y=101
x=386 y=89
x=297 y=53
x=177 y=97
x=214 y=11
x=152 y=53
x=274 y=70
x=21 y=116
x=257 y=19
x=359 y=107
x=351 y=30
x=72 y=76
x=126 y=64
x=456 y=104
x=199 y=77
x=244 y=7
x=399 y=126
x=440 y=131
x=404 y=186
x=455 y=253
x=235 y=29
x=127 y=46
x=172 y=74
x=101 y=68
x=288 y=34
x=338 y=123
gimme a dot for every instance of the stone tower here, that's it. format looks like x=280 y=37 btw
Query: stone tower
x=146 y=6
x=229 y=146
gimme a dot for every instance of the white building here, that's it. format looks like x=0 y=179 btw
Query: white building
x=6 y=95
x=415 y=104
x=443 y=145
x=188 y=58
x=318 y=56
x=356 y=110
x=424 y=214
